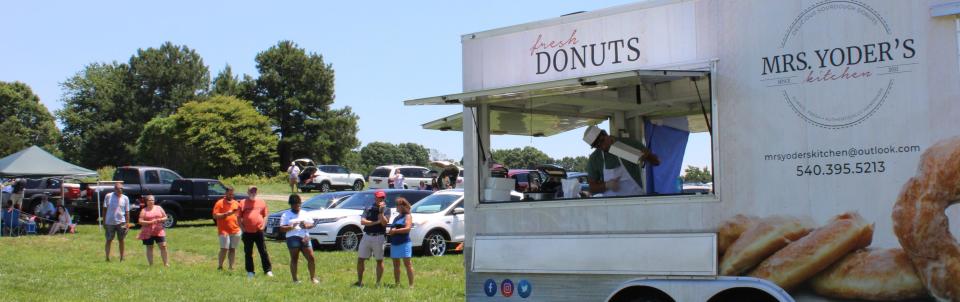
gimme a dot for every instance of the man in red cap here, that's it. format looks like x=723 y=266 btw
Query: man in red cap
x=374 y=220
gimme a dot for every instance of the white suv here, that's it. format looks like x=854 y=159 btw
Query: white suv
x=438 y=222
x=328 y=177
x=383 y=176
x=340 y=226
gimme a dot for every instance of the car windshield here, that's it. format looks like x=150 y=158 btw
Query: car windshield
x=434 y=203
x=320 y=201
x=380 y=172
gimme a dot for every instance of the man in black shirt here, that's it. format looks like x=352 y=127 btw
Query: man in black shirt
x=374 y=220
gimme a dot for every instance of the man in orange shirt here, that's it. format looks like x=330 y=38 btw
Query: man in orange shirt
x=253 y=213
x=225 y=212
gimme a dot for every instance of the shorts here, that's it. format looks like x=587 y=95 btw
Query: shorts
x=17 y=198
x=371 y=245
x=118 y=231
x=403 y=250
x=296 y=242
x=229 y=241
x=157 y=239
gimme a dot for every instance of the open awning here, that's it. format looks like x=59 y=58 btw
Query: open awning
x=518 y=123
x=34 y=162
x=548 y=108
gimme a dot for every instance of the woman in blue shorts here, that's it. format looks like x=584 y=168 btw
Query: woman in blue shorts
x=400 y=245
x=296 y=223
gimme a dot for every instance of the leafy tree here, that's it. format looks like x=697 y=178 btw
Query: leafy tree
x=97 y=127
x=107 y=105
x=578 y=163
x=380 y=153
x=26 y=122
x=222 y=136
x=416 y=154
x=694 y=174
x=526 y=158
x=295 y=90
x=225 y=83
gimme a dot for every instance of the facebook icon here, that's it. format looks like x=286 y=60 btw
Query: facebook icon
x=490 y=287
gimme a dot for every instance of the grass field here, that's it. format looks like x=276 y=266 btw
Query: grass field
x=71 y=268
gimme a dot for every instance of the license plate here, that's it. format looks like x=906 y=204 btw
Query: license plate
x=269 y=230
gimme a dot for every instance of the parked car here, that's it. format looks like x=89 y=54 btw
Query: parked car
x=341 y=227
x=318 y=202
x=382 y=176
x=326 y=178
x=189 y=198
x=521 y=176
x=438 y=222
x=35 y=189
x=137 y=180
x=697 y=188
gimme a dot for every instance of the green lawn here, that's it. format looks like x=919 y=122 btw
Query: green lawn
x=71 y=267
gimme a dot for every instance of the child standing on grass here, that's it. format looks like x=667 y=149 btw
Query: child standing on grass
x=151 y=231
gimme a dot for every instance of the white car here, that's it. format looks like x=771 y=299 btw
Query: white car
x=438 y=222
x=326 y=178
x=383 y=176
x=340 y=226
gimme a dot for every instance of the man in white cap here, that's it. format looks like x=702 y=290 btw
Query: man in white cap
x=611 y=174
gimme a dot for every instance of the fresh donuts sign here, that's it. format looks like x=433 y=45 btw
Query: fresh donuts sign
x=863 y=69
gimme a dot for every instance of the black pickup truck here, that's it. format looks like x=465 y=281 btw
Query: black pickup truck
x=189 y=198
x=137 y=181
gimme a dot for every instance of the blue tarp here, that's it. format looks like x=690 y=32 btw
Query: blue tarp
x=668 y=144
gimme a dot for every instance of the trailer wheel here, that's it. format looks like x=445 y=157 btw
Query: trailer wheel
x=743 y=294
x=642 y=294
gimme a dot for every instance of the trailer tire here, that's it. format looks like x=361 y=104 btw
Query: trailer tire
x=641 y=294
x=742 y=294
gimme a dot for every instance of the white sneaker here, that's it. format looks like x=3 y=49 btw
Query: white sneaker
x=250 y=275
x=270 y=274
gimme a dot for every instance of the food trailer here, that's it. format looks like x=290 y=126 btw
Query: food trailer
x=819 y=114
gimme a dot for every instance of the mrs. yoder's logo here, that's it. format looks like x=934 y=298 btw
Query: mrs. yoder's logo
x=850 y=65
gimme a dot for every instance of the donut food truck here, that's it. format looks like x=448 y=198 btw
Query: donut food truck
x=819 y=115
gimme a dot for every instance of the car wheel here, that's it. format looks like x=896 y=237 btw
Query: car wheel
x=435 y=244
x=348 y=239
x=325 y=187
x=358 y=185
x=171 y=219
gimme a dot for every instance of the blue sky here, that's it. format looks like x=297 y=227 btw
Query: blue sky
x=382 y=52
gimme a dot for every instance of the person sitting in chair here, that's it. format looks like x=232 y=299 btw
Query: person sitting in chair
x=63 y=221
x=10 y=219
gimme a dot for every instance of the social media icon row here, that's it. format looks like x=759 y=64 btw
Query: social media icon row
x=507 y=288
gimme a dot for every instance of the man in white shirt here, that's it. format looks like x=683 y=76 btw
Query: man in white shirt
x=398 y=182
x=294 y=175
x=116 y=213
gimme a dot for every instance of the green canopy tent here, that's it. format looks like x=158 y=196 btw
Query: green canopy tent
x=34 y=162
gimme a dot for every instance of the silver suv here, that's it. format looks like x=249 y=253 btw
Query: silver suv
x=326 y=178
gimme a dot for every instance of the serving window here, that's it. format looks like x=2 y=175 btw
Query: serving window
x=650 y=117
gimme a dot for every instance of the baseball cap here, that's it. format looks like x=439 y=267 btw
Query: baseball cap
x=252 y=189
x=380 y=194
x=591 y=134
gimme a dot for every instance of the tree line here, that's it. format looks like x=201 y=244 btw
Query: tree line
x=162 y=108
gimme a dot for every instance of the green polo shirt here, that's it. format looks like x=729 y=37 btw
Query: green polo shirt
x=596 y=162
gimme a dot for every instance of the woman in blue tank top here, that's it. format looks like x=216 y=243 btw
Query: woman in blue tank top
x=400 y=245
